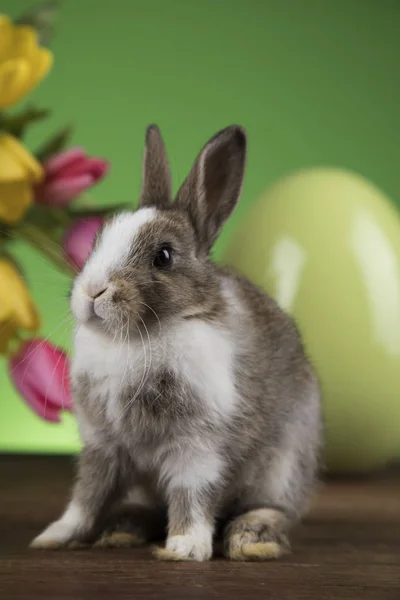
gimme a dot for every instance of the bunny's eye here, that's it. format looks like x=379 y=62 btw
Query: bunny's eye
x=163 y=258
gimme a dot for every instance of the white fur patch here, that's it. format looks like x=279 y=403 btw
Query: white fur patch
x=114 y=247
x=116 y=241
x=61 y=531
x=199 y=353
x=196 y=543
x=203 y=355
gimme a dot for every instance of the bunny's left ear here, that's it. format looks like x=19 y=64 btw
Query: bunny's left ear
x=212 y=190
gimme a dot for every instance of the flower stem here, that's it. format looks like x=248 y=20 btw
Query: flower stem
x=39 y=239
x=60 y=217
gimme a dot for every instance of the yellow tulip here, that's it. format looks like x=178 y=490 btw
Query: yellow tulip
x=23 y=63
x=19 y=171
x=17 y=310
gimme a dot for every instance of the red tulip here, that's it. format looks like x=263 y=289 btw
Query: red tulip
x=40 y=372
x=79 y=239
x=67 y=175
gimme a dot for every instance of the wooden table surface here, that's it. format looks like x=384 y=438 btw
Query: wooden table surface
x=348 y=548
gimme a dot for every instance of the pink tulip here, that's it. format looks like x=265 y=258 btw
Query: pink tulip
x=79 y=239
x=67 y=175
x=40 y=372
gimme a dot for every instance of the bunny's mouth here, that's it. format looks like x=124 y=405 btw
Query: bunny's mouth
x=84 y=306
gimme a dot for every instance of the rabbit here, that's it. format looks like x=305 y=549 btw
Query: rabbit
x=191 y=387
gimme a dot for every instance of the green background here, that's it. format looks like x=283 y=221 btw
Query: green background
x=315 y=82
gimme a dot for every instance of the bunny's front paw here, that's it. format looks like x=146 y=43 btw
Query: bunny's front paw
x=62 y=533
x=57 y=535
x=195 y=545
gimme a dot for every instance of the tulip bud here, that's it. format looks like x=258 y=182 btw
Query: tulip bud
x=67 y=175
x=79 y=239
x=40 y=372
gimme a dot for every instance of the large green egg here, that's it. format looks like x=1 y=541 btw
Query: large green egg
x=325 y=244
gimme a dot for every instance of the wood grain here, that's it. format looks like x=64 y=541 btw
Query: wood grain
x=349 y=548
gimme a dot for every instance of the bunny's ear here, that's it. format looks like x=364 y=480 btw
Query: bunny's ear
x=212 y=189
x=156 y=177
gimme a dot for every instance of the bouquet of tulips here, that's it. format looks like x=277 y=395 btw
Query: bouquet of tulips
x=42 y=204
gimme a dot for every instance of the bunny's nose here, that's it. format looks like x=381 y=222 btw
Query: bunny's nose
x=95 y=289
x=100 y=293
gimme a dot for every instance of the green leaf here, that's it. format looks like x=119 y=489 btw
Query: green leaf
x=48 y=218
x=84 y=201
x=41 y=17
x=54 y=144
x=16 y=124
